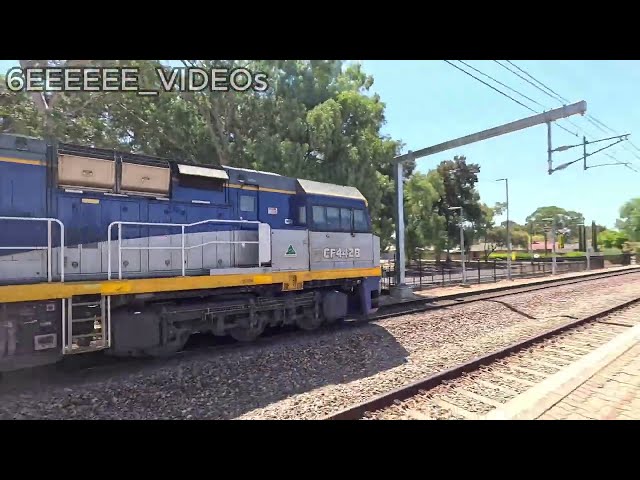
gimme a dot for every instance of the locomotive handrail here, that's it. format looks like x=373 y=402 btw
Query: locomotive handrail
x=49 y=243
x=181 y=248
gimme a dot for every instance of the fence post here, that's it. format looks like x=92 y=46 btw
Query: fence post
x=420 y=271
x=494 y=270
x=479 y=272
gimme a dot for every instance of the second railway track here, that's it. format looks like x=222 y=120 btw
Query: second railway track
x=485 y=384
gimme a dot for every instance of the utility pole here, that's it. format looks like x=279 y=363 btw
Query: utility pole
x=506 y=183
x=583 y=243
x=553 y=242
x=464 y=270
x=553 y=258
x=578 y=108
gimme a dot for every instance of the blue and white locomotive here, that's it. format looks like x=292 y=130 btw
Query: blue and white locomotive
x=132 y=254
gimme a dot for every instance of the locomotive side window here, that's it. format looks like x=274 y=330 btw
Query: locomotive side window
x=333 y=219
x=302 y=215
x=247 y=203
x=359 y=221
x=319 y=217
x=345 y=219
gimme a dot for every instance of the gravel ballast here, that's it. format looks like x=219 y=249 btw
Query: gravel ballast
x=310 y=376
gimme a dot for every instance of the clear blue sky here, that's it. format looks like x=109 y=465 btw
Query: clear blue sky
x=428 y=102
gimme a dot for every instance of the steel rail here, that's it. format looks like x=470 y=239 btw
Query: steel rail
x=359 y=410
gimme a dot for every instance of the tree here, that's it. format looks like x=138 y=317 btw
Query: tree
x=629 y=221
x=613 y=239
x=459 y=179
x=423 y=225
x=317 y=120
x=564 y=219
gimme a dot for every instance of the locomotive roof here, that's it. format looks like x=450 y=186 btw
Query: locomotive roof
x=235 y=174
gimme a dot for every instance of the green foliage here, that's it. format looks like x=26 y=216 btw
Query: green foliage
x=612 y=239
x=629 y=221
x=423 y=225
x=519 y=256
x=317 y=121
x=564 y=219
x=459 y=179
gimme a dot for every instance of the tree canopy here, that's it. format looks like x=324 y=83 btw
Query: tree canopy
x=318 y=119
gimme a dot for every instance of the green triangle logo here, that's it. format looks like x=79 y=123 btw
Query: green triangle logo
x=291 y=252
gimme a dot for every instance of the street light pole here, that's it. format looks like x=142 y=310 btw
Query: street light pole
x=553 y=232
x=553 y=258
x=506 y=183
x=464 y=271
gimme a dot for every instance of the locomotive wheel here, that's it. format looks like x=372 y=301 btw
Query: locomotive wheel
x=248 y=330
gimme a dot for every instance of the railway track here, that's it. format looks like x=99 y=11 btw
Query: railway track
x=301 y=375
x=208 y=343
x=421 y=305
x=98 y=364
x=483 y=385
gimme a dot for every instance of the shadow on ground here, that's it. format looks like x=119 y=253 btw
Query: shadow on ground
x=219 y=385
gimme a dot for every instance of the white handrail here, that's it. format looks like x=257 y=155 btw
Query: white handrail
x=181 y=248
x=49 y=243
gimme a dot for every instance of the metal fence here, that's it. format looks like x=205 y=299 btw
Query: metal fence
x=424 y=274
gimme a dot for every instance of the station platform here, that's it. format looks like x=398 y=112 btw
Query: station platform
x=454 y=291
x=602 y=385
x=611 y=393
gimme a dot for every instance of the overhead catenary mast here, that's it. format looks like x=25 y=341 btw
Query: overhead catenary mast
x=578 y=108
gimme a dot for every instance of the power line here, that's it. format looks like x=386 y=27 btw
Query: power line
x=521 y=94
x=590 y=118
x=527 y=80
x=536 y=80
x=502 y=93
x=506 y=86
x=517 y=101
x=492 y=87
x=553 y=96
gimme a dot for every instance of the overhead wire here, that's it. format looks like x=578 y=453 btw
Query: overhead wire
x=504 y=94
x=590 y=118
x=556 y=96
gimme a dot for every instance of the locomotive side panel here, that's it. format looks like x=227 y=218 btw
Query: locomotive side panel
x=23 y=179
x=337 y=250
x=289 y=250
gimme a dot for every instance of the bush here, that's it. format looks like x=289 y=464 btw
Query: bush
x=528 y=256
x=503 y=256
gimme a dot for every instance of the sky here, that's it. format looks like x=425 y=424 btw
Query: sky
x=430 y=101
